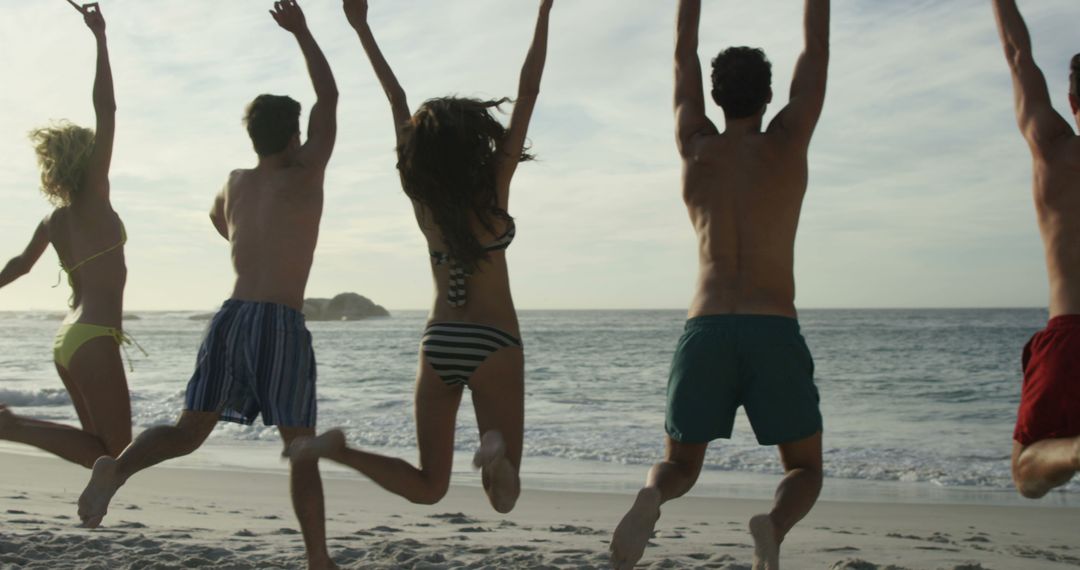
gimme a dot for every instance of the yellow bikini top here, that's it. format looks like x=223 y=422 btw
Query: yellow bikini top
x=74 y=268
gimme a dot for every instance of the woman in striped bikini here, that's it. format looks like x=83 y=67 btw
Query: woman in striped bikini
x=89 y=239
x=456 y=162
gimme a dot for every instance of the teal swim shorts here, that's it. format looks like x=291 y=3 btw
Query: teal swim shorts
x=759 y=362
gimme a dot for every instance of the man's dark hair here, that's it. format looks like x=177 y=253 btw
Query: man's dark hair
x=1074 y=75
x=272 y=121
x=742 y=81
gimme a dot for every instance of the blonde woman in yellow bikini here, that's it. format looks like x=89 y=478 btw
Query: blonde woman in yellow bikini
x=89 y=239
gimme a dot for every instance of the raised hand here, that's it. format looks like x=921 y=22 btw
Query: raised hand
x=288 y=15
x=92 y=16
x=356 y=12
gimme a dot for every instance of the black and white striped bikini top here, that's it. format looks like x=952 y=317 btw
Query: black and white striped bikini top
x=456 y=294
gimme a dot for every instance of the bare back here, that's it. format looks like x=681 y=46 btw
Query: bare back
x=1057 y=202
x=488 y=287
x=744 y=194
x=88 y=238
x=1055 y=149
x=743 y=187
x=273 y=216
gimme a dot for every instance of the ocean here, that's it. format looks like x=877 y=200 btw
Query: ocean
x=919 y=405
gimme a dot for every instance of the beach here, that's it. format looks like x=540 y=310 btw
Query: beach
x=207 y=518
x=919 y=407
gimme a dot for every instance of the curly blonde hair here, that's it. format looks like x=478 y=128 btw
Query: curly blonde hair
x=63 y=151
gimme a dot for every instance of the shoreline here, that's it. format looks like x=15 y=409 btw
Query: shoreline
x=576 y=476
x=171 y=517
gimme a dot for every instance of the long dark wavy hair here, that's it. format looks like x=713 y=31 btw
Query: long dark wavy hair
x=448 y=161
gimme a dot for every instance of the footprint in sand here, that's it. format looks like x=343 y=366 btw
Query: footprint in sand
x=285 y=531
x=711 y=558
x=174 y=536
x=26 y=521
x=384 y=529
x=854 y=564
x=578 y=530
x=732 y=545
x=474 y=529
x=936 y=537
x=1038 y=553
x=671 y=535
x=454 y=518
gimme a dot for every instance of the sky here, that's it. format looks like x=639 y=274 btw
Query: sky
x=919 y=181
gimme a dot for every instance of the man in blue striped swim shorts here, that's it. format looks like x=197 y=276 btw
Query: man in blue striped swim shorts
x=256 y=358
x=742 y=347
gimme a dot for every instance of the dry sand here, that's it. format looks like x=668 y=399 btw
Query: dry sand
x=200 y=518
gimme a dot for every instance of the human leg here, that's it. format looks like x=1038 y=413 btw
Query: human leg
x=498 y=394
x=1045 y=465
x=667 y=480
x=306 y=490
x=151 y=447
x=436 y=414
x=794 y=498
x=98 y=389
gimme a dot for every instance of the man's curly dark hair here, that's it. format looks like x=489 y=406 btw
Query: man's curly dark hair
x=742 y=81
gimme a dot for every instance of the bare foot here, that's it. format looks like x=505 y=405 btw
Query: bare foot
x=766 y=548
x=501 y=479
x=313 y=448
x=635 y=529
x=94 y=501
x=1076 y=452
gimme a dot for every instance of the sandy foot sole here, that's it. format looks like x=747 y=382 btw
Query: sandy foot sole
x=766 y=549
x=634 y=530
x=94 y=501
x=503 y=484
x=314 y=448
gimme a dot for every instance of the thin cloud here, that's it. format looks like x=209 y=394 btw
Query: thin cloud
x=920 y=184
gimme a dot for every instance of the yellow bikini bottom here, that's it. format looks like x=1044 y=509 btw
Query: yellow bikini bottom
x=71 y=337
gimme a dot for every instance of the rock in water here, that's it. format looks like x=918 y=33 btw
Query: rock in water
x=344 y=307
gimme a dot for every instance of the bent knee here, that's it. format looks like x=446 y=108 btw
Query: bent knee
x=431 y=494
x=1030 y=489
x=808 y=470
x=1026 y=485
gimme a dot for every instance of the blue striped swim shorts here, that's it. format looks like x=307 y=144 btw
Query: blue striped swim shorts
x=255 y=358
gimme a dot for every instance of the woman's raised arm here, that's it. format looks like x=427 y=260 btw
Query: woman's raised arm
x=357 y=13
x=528 y=91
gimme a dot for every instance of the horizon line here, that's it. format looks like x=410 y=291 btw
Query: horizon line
x=615 y=309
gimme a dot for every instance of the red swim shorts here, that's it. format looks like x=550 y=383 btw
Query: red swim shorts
x=1050 y=398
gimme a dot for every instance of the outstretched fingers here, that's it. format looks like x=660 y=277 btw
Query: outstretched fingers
x=288 y=15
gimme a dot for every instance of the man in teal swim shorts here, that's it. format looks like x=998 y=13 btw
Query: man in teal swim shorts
x=743 y=188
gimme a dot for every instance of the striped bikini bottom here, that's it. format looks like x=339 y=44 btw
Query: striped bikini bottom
x=456 y=350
